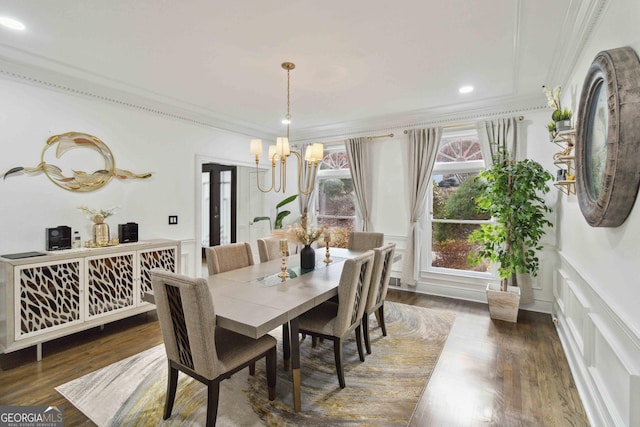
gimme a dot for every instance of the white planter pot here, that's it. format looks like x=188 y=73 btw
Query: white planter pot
x=503 y=305
x=563 y=125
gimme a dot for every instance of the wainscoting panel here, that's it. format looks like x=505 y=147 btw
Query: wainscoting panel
x=604 y=354
x=187 y=259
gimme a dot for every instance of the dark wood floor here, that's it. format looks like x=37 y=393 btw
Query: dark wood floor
x=489 y=373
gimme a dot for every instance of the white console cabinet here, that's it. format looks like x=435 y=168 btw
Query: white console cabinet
x=62 y=292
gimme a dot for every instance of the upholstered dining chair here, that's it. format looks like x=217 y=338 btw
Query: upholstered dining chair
x=382 y=261
x=195 y=345
x=228 y=257
x=335 y=321
x=269 y=248
x=365 y=240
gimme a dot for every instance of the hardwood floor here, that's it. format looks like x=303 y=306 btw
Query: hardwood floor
x=497 y=373
x=489 y=373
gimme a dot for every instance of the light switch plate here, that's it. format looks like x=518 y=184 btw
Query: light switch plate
x=173 y=219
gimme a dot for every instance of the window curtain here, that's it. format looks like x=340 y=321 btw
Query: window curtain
x=304 y=200
x=500 y=134
x=503 y=134
x=422 y=151
x=360 y=166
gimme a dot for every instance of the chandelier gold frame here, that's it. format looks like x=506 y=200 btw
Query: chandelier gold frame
x=279 y=153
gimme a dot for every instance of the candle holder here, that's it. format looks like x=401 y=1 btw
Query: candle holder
x=327 y=255
x=284 y=248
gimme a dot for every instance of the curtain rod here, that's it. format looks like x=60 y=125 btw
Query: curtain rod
x=461 y=125
x=390 y=135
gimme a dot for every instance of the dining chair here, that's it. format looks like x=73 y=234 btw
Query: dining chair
x=382 y=261
x=269 y=249
x=335 y=321
x=365 y=240
x=228 y=257
x=196 y=346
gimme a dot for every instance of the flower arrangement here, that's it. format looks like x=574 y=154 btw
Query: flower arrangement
x=297 y=234
x=98 y=215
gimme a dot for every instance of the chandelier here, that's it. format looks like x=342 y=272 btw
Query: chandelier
x=279 y=153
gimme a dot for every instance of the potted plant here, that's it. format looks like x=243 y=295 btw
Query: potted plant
x=513 y=197
x=280 y=215
x=561 y=117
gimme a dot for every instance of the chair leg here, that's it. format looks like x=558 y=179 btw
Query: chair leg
x=359 y=342
x=271 y=372
x=213 y=391
x=381 y=320
x=314 y=341
x=172 y=384
x=337 y=353
x=365 y=332
x=286 y=346
x=252 y=369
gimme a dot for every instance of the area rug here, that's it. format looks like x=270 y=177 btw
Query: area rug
x=383 y=390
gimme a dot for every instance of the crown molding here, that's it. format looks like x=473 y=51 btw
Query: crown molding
x=437 y=116
x=579 y=24
x=116 y=93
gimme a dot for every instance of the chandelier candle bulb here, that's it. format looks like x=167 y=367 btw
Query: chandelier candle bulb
x=318 y=152
x=256 y=148
x=308 y=154
x=282 y=147
x=272 y=153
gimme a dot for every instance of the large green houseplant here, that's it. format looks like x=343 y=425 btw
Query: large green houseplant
x=513 y=197
x=280 y=215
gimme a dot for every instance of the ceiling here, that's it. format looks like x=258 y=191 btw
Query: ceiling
x=360 y=64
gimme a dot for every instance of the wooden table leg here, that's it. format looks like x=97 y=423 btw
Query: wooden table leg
x=295 y=363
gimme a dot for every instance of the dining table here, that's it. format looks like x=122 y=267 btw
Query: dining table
x=256 y=300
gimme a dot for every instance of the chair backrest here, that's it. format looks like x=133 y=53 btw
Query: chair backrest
x=187 y=321
x=382 y=261
x=269 y=248
x=365 y=240
x=352 y=292
x=228 y=257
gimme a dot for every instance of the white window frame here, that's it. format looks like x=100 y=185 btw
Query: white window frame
x=472 y=166
x=330 y=174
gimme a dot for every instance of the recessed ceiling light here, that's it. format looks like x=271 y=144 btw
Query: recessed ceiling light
x=466 y=89
x=11 y=23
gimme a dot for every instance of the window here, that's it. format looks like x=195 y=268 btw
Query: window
x=452 y=205
x=335 y=204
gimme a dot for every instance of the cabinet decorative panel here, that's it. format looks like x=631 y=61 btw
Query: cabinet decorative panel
x=62 y=292
x=110 y=283
x=49 y=296
x=160 y=258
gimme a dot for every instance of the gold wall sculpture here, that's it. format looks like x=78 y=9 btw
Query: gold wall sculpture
x=79 y=180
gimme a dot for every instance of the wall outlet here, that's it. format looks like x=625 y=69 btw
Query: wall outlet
x=173 y=219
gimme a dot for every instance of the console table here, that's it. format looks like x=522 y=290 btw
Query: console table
x=62 y=292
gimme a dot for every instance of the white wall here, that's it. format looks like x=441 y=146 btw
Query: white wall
x=597 y=285
x=140 y=142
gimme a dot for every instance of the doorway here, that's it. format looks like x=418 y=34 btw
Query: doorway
x=219 y=205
